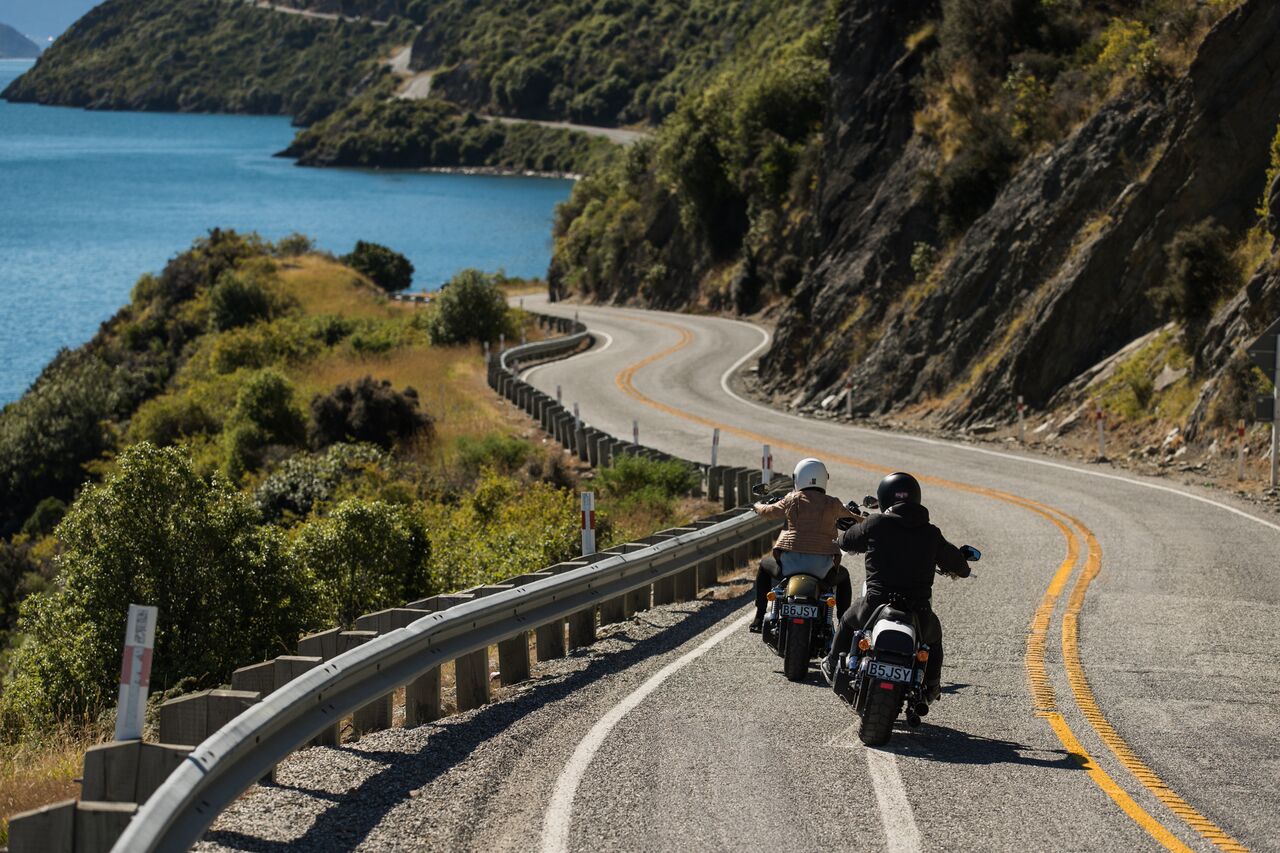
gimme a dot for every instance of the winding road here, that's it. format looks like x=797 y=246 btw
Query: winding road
x=1111 y=676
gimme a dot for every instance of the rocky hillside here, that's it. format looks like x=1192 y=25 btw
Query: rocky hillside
x=1005 y=195
x=14 y=45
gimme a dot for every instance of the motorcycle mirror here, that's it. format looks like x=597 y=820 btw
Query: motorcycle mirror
x=971 y=554
x=759 y=489
x=870 y=502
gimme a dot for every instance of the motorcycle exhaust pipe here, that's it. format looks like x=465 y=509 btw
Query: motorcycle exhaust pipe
x=921 y=709
x=913 y=720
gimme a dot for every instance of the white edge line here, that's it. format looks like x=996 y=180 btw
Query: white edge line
x=724 y=384
x=555 y=825
x=593 y=351
x=895 y=809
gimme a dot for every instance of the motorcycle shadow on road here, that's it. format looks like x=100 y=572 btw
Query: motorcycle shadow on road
x=451 y=740
x=953 y=746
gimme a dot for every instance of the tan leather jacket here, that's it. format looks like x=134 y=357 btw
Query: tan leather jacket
x=810 y=518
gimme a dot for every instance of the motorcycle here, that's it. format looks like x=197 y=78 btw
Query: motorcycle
x=800 y=620
x=883 y=670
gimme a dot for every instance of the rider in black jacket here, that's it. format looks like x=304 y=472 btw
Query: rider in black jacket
x=902 y=550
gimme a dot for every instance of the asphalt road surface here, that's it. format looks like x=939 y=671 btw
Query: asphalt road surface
x=1111 y=673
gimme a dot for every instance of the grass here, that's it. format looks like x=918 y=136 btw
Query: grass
x=1130 y=393
x=34 y=775
x=324 y=286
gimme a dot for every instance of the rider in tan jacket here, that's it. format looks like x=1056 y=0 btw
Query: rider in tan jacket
x=807 y=543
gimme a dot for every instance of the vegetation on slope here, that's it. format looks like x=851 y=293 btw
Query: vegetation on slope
x=307 y=451
x=374 y=131
x=209 y=56
x=595 y=61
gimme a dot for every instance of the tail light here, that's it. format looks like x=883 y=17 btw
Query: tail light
x=830 y=601
x=864 y=644
x=771 y=595
x=922 y=655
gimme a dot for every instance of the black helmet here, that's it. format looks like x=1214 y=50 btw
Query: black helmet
x=897 y=489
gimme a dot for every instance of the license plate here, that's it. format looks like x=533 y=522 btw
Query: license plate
x=888 y=671
x=803 y=611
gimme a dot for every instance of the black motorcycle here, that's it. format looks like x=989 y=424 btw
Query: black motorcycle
x=884 y=669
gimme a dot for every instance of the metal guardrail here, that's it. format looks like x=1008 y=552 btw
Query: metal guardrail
x=244 y=751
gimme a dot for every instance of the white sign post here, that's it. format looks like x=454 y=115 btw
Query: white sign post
x=715 y=448
x=135 y=671
x=588 y=523
x=1022 y=421
x=635 y=433
x=766 y=465
x=1240 y=450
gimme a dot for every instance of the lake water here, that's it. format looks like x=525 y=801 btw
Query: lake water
x=89 y=201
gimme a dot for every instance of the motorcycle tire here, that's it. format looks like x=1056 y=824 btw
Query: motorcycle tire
x=881 y=710
x=795 y=662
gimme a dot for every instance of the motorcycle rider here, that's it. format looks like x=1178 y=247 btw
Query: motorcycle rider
x=902 y=549
x=806 y=544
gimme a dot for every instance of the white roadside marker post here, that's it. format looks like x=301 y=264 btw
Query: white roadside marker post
x=715 y=447
x=1102 y=433
x=486 y=353
x=766 y=465
x=1240 y=450
x=588 y=523
x=635 y=433
x=135 y=671
x=1275 y=422
x=1022 y=421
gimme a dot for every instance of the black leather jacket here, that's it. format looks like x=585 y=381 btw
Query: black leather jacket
x=902 y=550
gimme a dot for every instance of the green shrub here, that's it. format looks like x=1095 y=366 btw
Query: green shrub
x=168 y=419
x=367 y=411
x=46 y=516
x=265 y=414
x=307 y=480
x=470 y=307
x=1199 y=272
x=239 y=298
x=388 y=269
x=504 y=453
x=153 y=533
x=631 y=474
x=366 y=556
x=294 y=245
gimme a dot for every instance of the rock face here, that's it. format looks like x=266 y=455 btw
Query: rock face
x=1054 y=277
x=14 y=45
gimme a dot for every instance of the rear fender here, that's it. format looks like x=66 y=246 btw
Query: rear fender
x=803 y=586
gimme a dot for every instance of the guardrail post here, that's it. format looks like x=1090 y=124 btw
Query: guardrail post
x=422 y=698
x=686 y=584
x=550 y=640
x=377 y=714
x=289 y=667
x=98 y=825
x=729 y=484
x=715 y=474
x=471 y=671
x=664 y=590
x=48 y=829
x=513 y=653
x=257 y=677
x=604 y=444
x=708 y=574
x=190 y=719
x=742 y=488
x=323 y=644
x=590 y=435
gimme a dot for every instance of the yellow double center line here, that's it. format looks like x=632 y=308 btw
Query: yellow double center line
x=1042 y=691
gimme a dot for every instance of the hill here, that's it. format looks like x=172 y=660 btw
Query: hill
x=988 y=200
x=14 y=45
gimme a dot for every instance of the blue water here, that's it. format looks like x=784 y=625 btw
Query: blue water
x=89 y=201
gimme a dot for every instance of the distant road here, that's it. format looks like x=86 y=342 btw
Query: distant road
x=417 y=85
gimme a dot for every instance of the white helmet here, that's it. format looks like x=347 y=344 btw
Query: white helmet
x=811 y=473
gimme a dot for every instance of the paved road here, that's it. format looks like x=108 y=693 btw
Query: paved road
x=1110 y=681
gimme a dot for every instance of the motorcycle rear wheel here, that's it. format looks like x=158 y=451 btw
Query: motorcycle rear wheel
x=881 y=710
x=795 y=663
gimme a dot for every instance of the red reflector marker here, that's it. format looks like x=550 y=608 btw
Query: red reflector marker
x=797 y=620
x=886 y=685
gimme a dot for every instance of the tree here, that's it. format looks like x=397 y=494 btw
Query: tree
x=153 y=533
x=386 y=268
x=470 y=307
x=366 y=556
x=1200 y=271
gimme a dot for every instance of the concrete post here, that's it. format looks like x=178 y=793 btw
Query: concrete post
x=550 y=640
x=128 y=771
x=708 y=574
x=664 y=590
x=99 y=825
x=686 y=584
x=48 y=829
x=257 y=678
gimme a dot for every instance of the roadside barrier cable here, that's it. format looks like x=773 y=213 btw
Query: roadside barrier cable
x=1042 y=690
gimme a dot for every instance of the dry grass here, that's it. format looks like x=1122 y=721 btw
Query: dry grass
x=33 y=775
x=323 y=286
